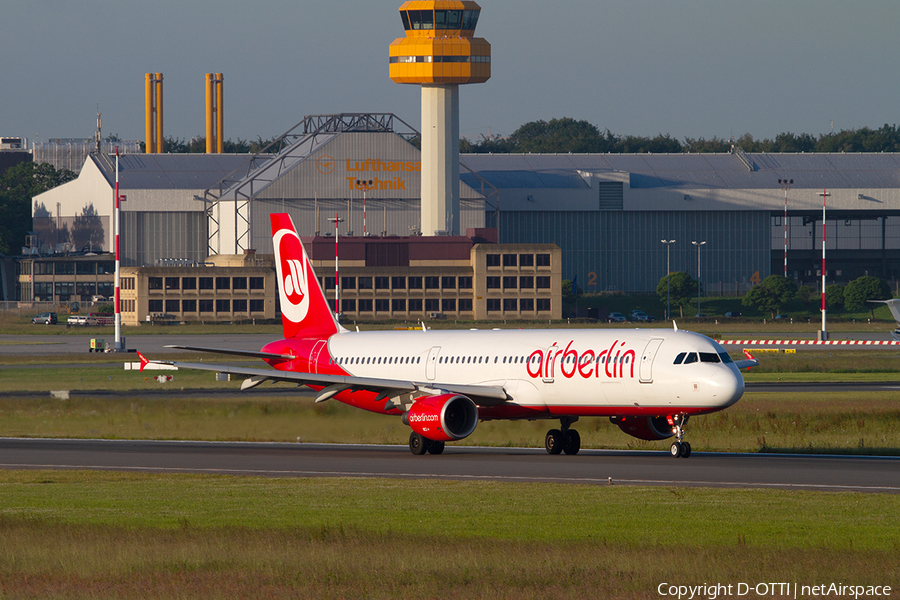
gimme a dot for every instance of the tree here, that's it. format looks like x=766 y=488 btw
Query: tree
x=680 y=288
x=557 y=135
x=865 y=288
x=808 y=296
x=17 y=187
x=834 y=296
x=774 y=292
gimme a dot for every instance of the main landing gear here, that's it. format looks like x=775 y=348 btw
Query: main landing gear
x=563 y=439
x=679 y=448
x=419 y=445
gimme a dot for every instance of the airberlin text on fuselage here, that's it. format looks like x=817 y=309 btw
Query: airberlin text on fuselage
x=610 y=362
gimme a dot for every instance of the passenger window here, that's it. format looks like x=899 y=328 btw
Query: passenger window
x=679 y=358
x=691 y=358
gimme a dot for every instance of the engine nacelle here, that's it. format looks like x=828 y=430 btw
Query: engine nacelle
x=443 y=418
x=645 y=428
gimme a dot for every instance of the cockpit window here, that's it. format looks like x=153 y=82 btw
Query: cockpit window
x=679 y=358
x=709 y=357
x=725 y=357
x=690 y=358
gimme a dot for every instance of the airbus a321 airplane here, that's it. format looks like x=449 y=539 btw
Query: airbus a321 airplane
x=442 y=383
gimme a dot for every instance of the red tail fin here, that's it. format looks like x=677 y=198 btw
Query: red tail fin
x=304 y=310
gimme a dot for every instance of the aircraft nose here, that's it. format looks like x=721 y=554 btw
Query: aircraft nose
x=727 y=386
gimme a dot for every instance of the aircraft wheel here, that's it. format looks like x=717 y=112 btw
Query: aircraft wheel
x=675 y=449
x=554 y=441
x=418 y=444
x=436 y=448
x=685 y=449
x=571 y=442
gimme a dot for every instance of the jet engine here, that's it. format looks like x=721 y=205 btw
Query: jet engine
x=645 y=428
x=443 y=418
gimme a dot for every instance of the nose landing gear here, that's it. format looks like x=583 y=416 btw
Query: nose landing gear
x=679 y=448
x=563 y=439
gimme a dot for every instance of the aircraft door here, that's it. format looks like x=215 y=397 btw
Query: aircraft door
x=431 y=363
x=647 y=359
x=314 y=355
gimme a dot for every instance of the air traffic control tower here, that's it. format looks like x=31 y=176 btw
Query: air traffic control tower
x=439 y=53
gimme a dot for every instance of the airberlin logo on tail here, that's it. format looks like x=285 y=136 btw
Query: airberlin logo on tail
x=290 y=260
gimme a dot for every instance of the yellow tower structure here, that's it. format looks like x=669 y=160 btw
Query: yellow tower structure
x=153 y=86
x=439 y=53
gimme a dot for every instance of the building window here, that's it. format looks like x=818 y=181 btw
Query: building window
x=43 y=268
x=526 y=260
x=542 y=283
x=415 y=305
x=509 y=260
x=154 y=283
x=493 y=304
x=206 y=306
x=173 y=306
x=448 y=305
x=365 y=283
x=382 y=283
x=189 y=306
x=240 y=306
x=432 y=283
x=173 y=283
x=155 y=306
x=328 y=283
x=128 y=283
x=493 y=260
x=510 y=283
x=257 y=305
x=493 y=283
x=398 y=283
x=465 y=305
x=239 y=283
x=106 y=289
x=106 y=268
x=348 y=283
x=415 y=283
x=86 y=268
x=85 y=290
x=465 y=283
x=398 y=305
x=65 y=268
x=206 y=283
x=526 y=304
x=222 y=305
x=365 y=304
x=543 y=304
x=189 y=283
x=257 y=283
x=348 y=305
x=382 y=305
x=543 y=260
x=526 y=283
x=448 y=283
x=510 y=305
x=431 y=304
x=64 y=290
x=223 y=283
x=43 y=291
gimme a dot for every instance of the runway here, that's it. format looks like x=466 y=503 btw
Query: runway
x=589 y=467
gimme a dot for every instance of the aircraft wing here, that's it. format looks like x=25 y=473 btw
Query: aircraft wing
x=483 y=395
x=247 y=353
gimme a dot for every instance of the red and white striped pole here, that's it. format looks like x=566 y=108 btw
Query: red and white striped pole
x=117 y=308
x=825 y=194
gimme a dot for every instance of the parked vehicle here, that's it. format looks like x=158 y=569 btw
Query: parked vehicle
x=45 y=318
x=616 y=317
x=732 y=314
x=638 y=315
x=83 y=320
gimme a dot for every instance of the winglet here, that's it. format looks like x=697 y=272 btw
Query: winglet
x=749 y=362
x=144 y=361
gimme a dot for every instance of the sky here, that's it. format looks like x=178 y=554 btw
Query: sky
x=686 y=68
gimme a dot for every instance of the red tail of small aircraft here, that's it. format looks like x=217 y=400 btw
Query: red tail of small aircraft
x=304 y=310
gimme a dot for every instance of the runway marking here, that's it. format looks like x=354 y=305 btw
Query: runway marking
x=516 y=479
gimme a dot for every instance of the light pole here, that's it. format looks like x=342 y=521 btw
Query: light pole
x=668 y=243
x=786 y=184
x=337 y=282
x=698 y=244
x=824 y=334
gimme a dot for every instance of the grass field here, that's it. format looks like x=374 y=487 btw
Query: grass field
x=109 y=535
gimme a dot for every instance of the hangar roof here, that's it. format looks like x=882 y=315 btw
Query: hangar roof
x=169 y=171
x=705 y=171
